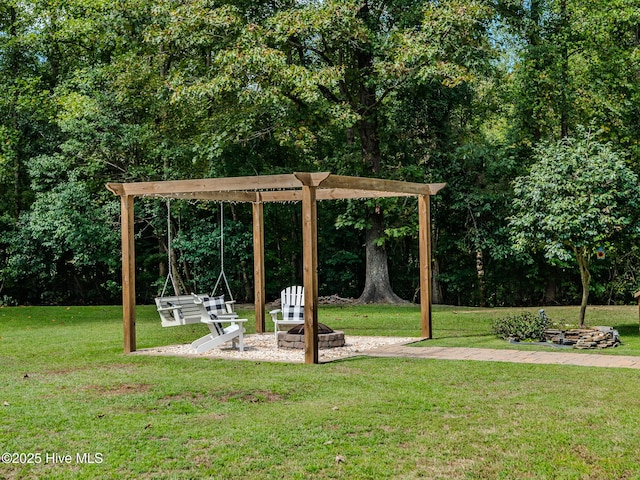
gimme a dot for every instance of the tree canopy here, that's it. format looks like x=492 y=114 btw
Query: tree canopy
x=579 y=198
x=456 y=91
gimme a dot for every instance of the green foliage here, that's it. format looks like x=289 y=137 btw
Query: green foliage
x=198 y=246
x=63 y=249
x=579 y=194
x=457 y=91
x=522 y=327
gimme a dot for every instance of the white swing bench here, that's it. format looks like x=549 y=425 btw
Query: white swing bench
x=212 y=311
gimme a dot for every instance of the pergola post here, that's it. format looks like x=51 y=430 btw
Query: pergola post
x=258 y=263
x=424 y=236
x=128 y=273
x=310 y=272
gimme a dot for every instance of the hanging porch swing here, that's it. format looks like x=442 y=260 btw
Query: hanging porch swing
x=184 y=309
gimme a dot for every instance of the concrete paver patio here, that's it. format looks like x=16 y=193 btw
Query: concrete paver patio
x=513 y=356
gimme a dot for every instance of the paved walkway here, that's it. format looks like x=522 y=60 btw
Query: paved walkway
x=513 y=356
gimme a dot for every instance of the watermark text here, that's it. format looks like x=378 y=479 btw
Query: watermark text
x=36 y=458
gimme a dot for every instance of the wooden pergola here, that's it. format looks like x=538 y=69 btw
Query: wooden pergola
x=257 y=190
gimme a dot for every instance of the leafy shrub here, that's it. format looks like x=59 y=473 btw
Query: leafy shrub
x=526 y=326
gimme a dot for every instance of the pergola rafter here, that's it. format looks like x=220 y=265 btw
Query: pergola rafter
x=307 y=188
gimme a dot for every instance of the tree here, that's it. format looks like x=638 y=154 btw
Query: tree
x=578 y=197
x=304 y=72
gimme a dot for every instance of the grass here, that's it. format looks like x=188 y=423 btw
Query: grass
x=469 y=327
x=66 y=388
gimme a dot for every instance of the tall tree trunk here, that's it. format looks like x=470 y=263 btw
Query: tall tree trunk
x=585 y=277
x=482 y=287
x=179 y=286
x=162 y=264
x=377 y=288
x=246 y=281
x=436 y=287
x=550 y=291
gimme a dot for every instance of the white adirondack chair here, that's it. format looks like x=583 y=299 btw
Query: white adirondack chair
x=291 y=311
x=215 y=312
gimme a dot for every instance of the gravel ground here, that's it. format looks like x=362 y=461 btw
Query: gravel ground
x=262 y=347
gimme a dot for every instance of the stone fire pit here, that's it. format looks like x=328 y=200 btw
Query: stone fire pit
x=294 y=337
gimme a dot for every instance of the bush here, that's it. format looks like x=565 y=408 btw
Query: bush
x=526 y=326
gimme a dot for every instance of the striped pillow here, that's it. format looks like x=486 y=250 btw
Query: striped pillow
x=214 y=307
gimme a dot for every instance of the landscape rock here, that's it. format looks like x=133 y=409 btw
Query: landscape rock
x=584 y=338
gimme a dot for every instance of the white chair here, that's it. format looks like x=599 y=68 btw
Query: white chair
x=214 y=312
x=291 y=311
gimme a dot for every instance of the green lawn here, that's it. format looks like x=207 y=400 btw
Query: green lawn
x=66 y=389
x=469 y=327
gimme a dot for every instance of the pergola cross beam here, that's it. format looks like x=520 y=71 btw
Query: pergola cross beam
x=303 y=187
